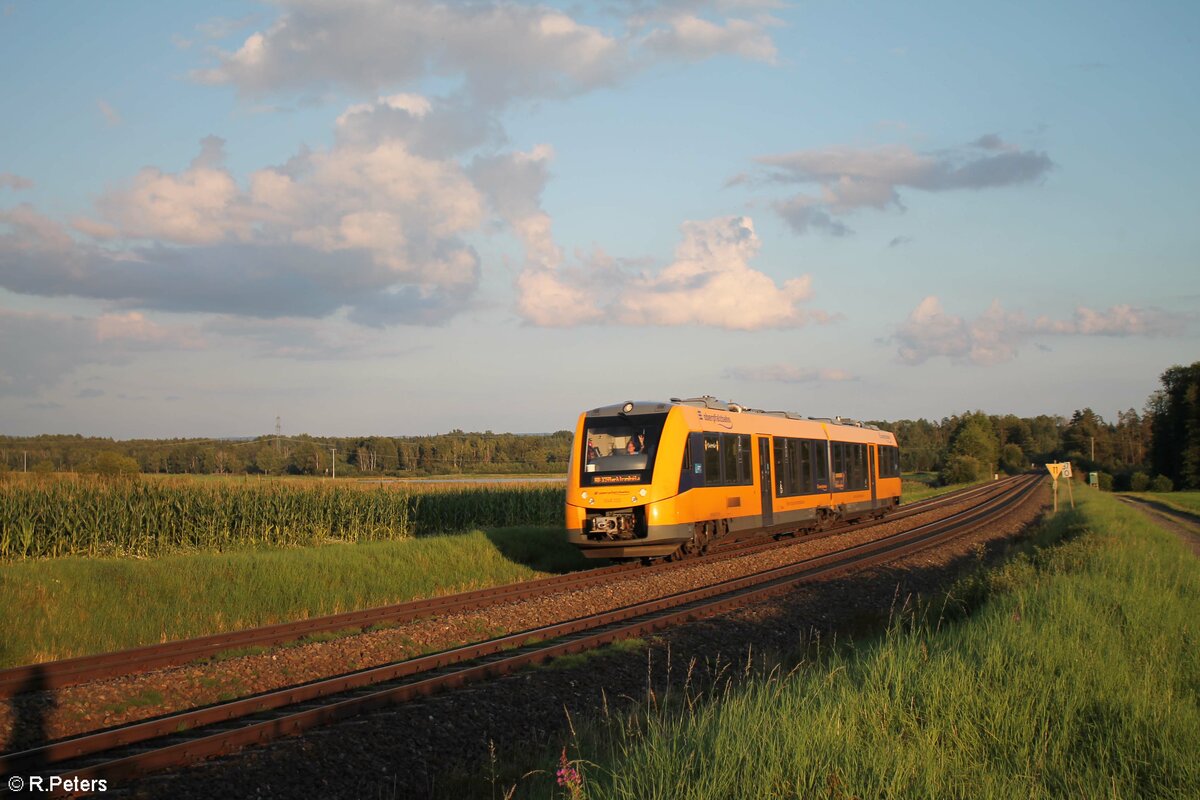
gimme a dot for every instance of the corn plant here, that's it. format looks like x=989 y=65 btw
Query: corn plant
x=148 y=518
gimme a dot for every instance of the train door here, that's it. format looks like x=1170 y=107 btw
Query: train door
x=871 y=472
x=764 y=480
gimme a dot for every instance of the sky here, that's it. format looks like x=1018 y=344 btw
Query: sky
x=382 y=217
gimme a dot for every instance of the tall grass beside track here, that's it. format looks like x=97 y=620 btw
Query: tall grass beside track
x=1071 y=672
x=99 y=517
x=58 y=608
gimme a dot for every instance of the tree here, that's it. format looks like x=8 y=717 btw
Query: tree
x=976 y=438
x=1175 y=430
x=1012 y=460
x=1085 y=433
x=112 y=465
x=963 y=469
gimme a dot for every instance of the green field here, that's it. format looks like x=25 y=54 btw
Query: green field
x=98 y=517
x=57 y=608
x=1074 y=672
x=1184 y=501
x=923 y=485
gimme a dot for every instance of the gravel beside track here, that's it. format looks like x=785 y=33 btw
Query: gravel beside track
x=102 y=704
x=416 y=749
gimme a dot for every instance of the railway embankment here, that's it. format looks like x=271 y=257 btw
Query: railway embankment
x=1070 y=670
x=253 y=670
x=445 y=745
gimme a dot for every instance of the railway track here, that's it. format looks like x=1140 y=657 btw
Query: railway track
x=176 y=739
x=69 y=672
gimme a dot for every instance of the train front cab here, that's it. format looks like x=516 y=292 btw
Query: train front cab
x=623 y=476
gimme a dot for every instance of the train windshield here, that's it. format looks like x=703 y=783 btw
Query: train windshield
x=620 y=449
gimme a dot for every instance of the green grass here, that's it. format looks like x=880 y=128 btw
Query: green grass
x=913 y=490
x=149 y=697
x=1184 y=501
x=1073 y=672
x=58 y=608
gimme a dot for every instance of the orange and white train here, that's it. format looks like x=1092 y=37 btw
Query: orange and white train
x=650 y=480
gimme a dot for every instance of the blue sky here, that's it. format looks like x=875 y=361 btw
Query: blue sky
x=400 y=218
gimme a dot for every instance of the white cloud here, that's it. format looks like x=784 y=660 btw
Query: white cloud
x=513 y=183
x=200 y=205
x=691 y=37
x=501 y=51
x=1120 y=320
x=111 y=117
x=134 y=327
x=995 y=336
x=37 y=350
x=709 y=283
x=221 y=27
x=9 y=180
x=301 y=339
x=366 y=224
x=847 y=179
x=789 y=373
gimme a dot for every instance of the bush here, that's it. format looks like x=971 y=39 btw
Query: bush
x=112 y=465
x=1161 y=483
x=963 y=469
x=1139 y=482
x=1012 y=460
x=1106 y=481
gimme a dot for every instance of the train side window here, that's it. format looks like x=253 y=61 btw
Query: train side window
x=821 y=463
x=797 y=487
x=806 y=466
x=889 y=461
x=779 y=452
x=745 y=465
x=729 y=457
x=852 y=467
x=839 y=466
x=712 y=459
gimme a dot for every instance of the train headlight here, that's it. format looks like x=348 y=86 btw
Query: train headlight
x=642 y=492
x=583 y=495
x=591 y=501
x=633 y=499
x=625 y=409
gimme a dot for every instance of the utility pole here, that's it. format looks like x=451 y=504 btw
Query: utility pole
x=333 y=460
x=1093 y=438
x=24 y=461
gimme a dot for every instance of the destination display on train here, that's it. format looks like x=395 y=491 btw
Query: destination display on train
x=598 y=479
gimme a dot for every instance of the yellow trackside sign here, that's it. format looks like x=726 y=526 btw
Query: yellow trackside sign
x=1055 y=469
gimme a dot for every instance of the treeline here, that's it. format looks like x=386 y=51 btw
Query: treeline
x=973 y=446
x=1159 y=448
x=455 y=452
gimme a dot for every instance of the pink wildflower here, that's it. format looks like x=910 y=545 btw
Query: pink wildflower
x=569 y=777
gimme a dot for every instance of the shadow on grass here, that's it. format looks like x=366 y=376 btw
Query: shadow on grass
x=542 y=548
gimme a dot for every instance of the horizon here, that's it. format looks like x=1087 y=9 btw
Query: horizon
x=213 y=216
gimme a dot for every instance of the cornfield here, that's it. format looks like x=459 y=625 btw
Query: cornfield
x=150 y=518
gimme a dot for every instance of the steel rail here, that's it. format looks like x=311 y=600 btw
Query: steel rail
x=185 y=739
x=72 y=671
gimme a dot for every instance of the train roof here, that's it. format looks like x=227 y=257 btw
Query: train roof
x=712 y=403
